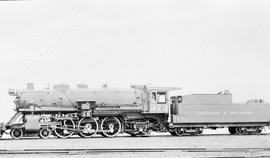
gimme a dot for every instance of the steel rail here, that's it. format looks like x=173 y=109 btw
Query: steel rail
x=128 y=150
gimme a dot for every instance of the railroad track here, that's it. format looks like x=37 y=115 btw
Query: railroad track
x=121 y=136
x=129 y=150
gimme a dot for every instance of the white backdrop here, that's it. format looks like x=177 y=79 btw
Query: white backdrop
x=203 y=46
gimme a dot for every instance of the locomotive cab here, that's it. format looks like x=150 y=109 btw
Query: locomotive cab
x=159 y=99
x=158 y=103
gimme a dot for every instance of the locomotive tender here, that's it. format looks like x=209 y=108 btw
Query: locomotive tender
x=137 y=111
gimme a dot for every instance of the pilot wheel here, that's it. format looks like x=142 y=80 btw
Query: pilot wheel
x=45 y=133
x=16 y=133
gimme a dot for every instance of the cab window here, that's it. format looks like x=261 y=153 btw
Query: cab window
x=179 y=99
x=161 y=97
x=154 y=96
x=172 y=100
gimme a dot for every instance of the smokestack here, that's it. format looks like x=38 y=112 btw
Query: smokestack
x=30 y=86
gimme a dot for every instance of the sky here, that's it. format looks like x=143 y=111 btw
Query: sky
x=203 y=46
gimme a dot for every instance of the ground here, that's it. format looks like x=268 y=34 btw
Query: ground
x=211 y=144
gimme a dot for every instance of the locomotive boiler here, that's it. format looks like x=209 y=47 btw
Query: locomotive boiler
x=137 y=111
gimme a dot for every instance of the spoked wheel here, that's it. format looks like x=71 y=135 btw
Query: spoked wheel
x=110 y=126
x=88 y=127
x=16 y=133
x=45 y=133
x=178 y=131
x=65 y=128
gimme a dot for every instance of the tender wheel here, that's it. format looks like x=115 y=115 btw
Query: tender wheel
x=16 y=133
x=195 y=133
x=258 y=130
x=65 y=128
x=200 y=132
x=88 y=126
x=239 y=130
x=110 y=126
x=45 y=133
x=178 y=131
x=232 y=130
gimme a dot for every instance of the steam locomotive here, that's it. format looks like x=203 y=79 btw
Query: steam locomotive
x=137 y=111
